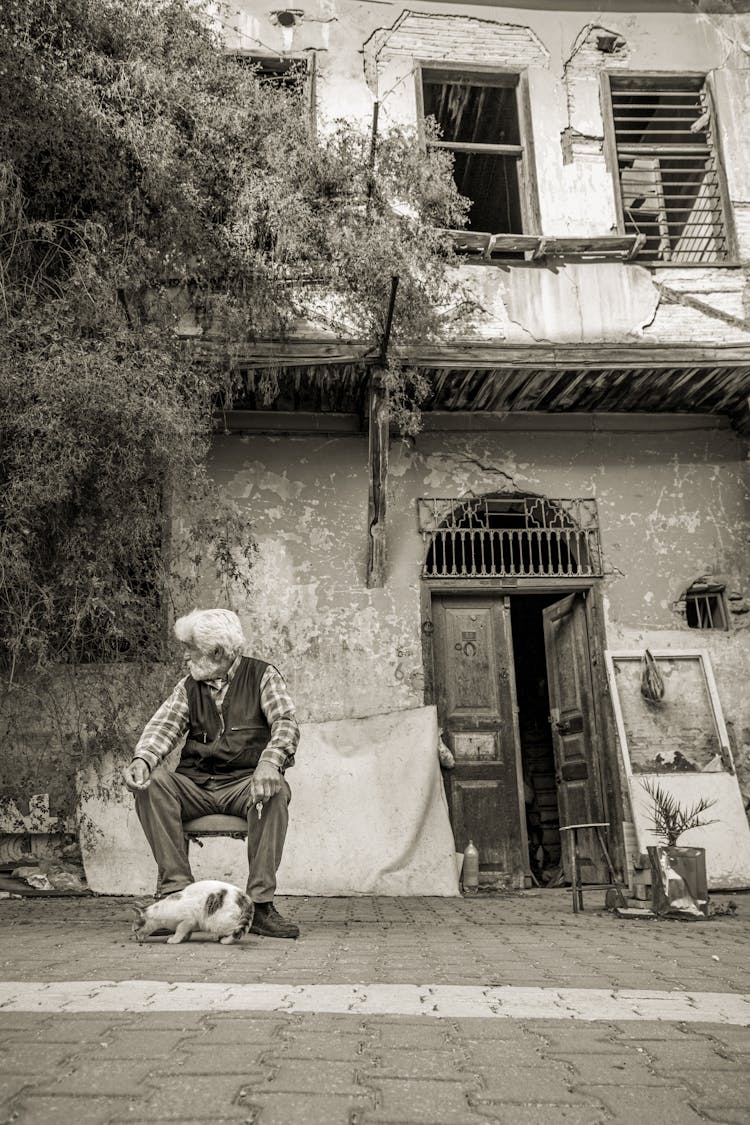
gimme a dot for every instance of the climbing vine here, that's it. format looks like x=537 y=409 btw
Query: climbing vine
x=159 y=206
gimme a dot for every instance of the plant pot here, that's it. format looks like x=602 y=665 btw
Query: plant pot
x=679 y=887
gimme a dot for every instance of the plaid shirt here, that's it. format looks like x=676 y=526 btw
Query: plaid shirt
x=166 y=730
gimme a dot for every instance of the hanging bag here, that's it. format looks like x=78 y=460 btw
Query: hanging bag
x=652 y=685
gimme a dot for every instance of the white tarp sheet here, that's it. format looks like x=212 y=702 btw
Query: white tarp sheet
x=368 y=812
x=368 y=816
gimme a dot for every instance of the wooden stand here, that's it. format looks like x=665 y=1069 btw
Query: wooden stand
x=575 y=864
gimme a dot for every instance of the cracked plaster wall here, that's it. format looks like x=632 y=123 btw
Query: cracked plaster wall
x=345 y=650
x=370 y=50
x=673 y=507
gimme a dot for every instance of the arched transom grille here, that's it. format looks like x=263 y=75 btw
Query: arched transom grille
x=510 y=536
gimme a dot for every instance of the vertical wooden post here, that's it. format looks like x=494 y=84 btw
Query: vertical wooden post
x=378 y=417
x=378 y=432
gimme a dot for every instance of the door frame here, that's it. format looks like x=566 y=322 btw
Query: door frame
x=604 y=716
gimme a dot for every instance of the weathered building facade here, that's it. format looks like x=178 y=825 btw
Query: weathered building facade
x=579 y=485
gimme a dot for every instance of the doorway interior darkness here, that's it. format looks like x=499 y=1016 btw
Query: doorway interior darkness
x=537 y=751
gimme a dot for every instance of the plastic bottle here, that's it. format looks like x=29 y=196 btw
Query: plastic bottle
x=470 y=875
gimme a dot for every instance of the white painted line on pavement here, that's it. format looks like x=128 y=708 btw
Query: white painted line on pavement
x=435 y=1000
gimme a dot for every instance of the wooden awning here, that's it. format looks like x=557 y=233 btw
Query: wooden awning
x=498 y=378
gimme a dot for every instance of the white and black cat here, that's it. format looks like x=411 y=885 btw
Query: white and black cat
x=208 y=906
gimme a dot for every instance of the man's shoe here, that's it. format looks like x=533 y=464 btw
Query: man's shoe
x=267 y=922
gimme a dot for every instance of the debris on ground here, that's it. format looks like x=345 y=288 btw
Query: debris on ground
x=635 y=913
x=717 y=909
x=34 y=875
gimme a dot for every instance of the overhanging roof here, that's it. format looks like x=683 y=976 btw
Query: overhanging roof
x=560 y=378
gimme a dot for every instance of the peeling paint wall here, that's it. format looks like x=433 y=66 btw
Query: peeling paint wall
x=368 y=51
x=673 y=506
x=345 y=650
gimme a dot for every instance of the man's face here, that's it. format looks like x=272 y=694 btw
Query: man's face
x=205 y=666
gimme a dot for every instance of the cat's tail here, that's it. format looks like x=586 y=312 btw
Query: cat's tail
x=246 y=916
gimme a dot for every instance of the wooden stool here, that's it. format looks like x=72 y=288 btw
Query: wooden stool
x=216 y=824
x=575 y=864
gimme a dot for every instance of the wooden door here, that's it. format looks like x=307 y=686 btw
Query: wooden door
x=475 y=689
x=574 y=734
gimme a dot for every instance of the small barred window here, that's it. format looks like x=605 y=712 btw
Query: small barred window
x=705 y=607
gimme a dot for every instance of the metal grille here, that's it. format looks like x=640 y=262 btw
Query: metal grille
x=669 y=179
x=704 y=608
x=520 y=537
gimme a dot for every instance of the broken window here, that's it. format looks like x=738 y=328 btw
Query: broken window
x=480 y=122
x=291 y=76
x=668 y=168
x=705 y=607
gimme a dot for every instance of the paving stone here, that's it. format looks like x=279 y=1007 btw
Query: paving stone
x=401 y=1063
x=188 y=1095
x=718 y=1087
x=39 y=1109
x=297 y=1076
x=733 y=1039
x=13 y=1022
x=562 y=1036
x=474 y=1028
x=627 y=1104
x=250 y=1029
x=60 y=1027
x=11 y=1085
x=233 y=1058
x=306 y=1109
x=118 y=1077
x=544 y=1113
x=129 y=1043
x=615 y=1070
x=343 y=1047
x=165 y=1021
x=700 y=1055
x=433 y=1102
x=129 y=1118
x=723 y=1115
x=642 y=1030
x=30 y=1058
x=422 y=1033
x=550 y=1083
x=502 y=1053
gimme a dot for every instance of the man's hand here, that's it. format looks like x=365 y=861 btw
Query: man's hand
x=266 y=781
x=137 y=775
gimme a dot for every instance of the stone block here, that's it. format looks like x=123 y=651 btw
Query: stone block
x=119 y=1078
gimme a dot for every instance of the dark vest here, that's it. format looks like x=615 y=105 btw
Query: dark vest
x=246 y=732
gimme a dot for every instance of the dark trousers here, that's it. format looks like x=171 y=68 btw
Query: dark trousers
x=173 y=797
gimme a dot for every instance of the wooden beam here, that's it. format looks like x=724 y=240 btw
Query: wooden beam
x=499 y=354
x=285 y=422
x=579 y=357
x=378 y=432
x=435 y=421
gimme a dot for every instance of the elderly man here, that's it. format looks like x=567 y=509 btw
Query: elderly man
x=237 y=719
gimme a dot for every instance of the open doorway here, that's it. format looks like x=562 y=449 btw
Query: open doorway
x=535 y=735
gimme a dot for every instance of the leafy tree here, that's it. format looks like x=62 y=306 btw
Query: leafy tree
x=147 y=180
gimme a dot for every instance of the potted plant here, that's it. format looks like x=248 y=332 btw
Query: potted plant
x=679 y=887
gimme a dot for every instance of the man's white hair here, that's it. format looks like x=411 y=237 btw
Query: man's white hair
x=208 y=629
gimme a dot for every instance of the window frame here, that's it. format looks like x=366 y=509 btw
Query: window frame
x=705 y=600
x=309 y=59
x=516 y=77
x=612 y=156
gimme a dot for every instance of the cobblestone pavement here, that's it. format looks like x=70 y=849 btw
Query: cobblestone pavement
x=187 y=1060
